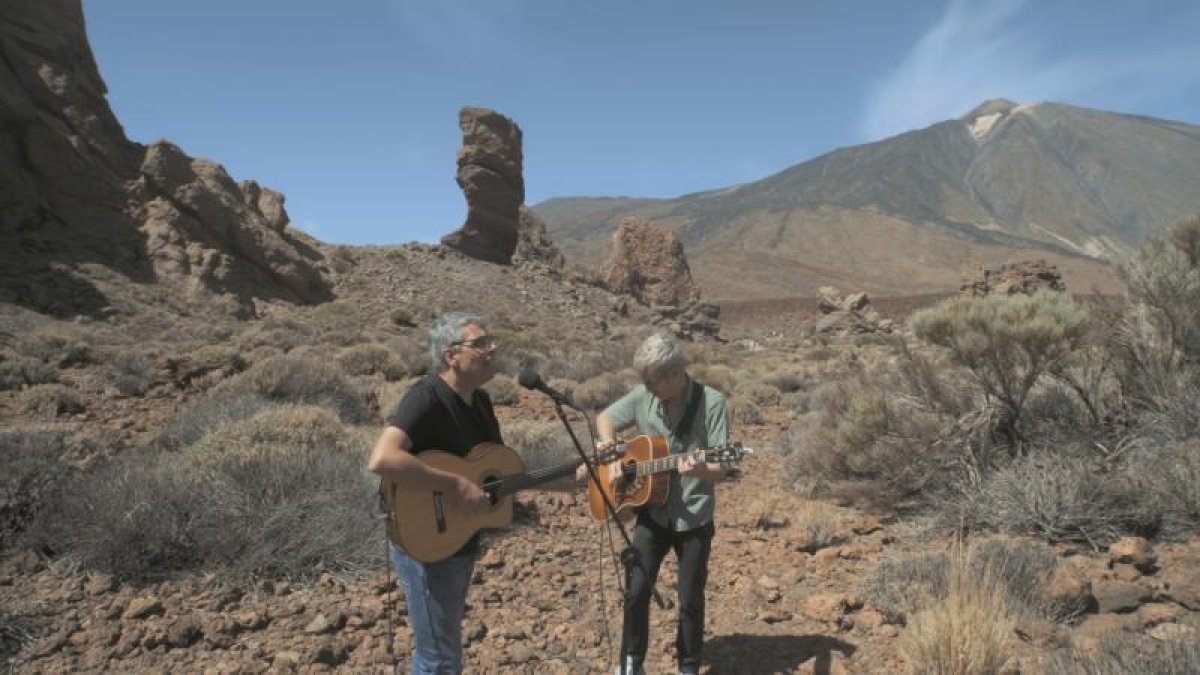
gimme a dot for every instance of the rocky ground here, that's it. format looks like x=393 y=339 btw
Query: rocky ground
x=545 y=598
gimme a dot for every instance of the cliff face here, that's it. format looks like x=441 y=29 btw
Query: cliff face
x=80 y=200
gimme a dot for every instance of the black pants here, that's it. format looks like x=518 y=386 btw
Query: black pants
x=692 y=547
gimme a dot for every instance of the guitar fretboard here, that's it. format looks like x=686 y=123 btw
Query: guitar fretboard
x=512 y=484
x=668 y=463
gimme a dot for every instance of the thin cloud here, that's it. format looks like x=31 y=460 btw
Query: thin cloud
x=978 y=50
x=459 y=26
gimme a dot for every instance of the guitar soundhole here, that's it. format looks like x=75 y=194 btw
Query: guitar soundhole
x=487 y=485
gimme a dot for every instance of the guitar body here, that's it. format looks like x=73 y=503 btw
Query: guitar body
x=629 y=495
x=424 y=525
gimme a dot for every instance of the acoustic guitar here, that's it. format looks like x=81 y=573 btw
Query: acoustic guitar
x=425 y=525
x=639 y=476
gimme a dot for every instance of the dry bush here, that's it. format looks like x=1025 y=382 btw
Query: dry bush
x=1006 y=342
x=413 y=354
x=718 y=376
x=206 y=415
x=133 y=373
x=543 y=444
x=761 y=393
x=371 y=358
x=787 y=382
x=1174 y=475
x=743 y=410
x=966 y=630
x=818 y=522
x=48 y=401
x=31 y=469
x=599 y=391
x=59 y=345
x=275 y=429
x=288 y=379
x=1058 y=497
x=503 y=390
x=18 y=371
x=1127 y=655
x=390 y=394
x=292 y=502
x=284 y=334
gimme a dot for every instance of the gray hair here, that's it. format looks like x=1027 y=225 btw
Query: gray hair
x=448 y=328
x=659 y=353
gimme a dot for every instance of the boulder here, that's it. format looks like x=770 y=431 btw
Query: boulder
x=490 y=175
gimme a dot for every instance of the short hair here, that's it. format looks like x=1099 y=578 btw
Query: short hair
x=659 y=353
x=447 y=329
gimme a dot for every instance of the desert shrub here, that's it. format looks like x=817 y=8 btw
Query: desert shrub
x=760 y=393
x=31 y=468
x=205 y=415
x=1006 y=342
x=819 y=524
x=503 y=390
x=285 y=334
x=274 y=429
x=541 y=444
x=965 y=631
x=1166 y=483
x=402 y=317
x=787 y=382
x=288 y=379
x=133 y=373
x=1126 y=655
x=369 y=359
x=1020 y=570
x=280 y=507
x=599 y=391
x=798 y=402
x=720 y=377
x=390 y=394
x=58 y=345
x=17 y=371
x=1059 y=497
x=412 y=354
x=48 y=401
x=743 y=410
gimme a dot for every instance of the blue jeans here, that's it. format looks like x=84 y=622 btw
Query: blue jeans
x=436 y=595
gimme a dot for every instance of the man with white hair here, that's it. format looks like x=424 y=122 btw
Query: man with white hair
x=669 y=403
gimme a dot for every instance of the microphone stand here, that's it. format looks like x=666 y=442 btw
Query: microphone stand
x=629 y=556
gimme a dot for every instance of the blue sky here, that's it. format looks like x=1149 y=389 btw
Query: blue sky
x=350 y=108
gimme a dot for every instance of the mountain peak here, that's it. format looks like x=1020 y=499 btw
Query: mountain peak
x=990 y=107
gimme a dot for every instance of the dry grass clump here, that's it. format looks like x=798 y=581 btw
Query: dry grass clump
x=205 y=415
x=57 y=344
x=290 y=379
x=819 y=523
x=542 y=444
x=599 y=391
x=280 y=494
x=1127 y=655
x=18 y=371
x=743 y=410
x=31 y=467
x=49 y=401
x=133 y=373
x=389 y=394
x=964 y=631
x=718 y=376
x=412 y=353
x=761 y=393
x=370 y=359
x=503 y=390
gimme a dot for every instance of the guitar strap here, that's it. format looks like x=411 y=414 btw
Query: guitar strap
x=684 y=428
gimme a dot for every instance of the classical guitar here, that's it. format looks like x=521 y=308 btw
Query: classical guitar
x=638 y=477
x=425 y=525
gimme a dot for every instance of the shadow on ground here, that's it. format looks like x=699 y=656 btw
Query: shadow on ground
x=753 y=654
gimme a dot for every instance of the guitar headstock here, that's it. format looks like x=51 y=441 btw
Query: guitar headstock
x=727 y=455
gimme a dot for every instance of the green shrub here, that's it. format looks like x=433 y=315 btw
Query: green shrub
x=1006 y=342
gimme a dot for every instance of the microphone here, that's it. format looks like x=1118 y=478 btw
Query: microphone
x=530 y=379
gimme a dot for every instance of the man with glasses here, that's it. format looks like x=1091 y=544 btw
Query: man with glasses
x=447 y=411
x=690 y=416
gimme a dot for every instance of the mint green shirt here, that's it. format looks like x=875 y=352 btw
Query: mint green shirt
x=690 y=500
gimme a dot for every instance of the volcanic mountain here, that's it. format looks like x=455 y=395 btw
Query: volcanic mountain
x=917 y=212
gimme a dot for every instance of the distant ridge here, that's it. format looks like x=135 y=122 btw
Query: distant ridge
x=912 y=213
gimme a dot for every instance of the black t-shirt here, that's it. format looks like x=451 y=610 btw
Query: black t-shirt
x=436 y=418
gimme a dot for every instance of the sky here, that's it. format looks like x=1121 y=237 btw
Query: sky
x=351 y=108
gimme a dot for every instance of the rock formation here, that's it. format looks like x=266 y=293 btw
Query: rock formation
x=534 y=246
x=848 y=315
x=489 y=173
x=1011 y=278
x=648 y=263
x=78 y=194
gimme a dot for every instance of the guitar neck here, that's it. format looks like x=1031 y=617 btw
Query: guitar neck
x=512 y=484
x=668 y=463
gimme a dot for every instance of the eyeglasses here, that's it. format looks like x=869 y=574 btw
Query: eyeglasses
x=481 y=343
